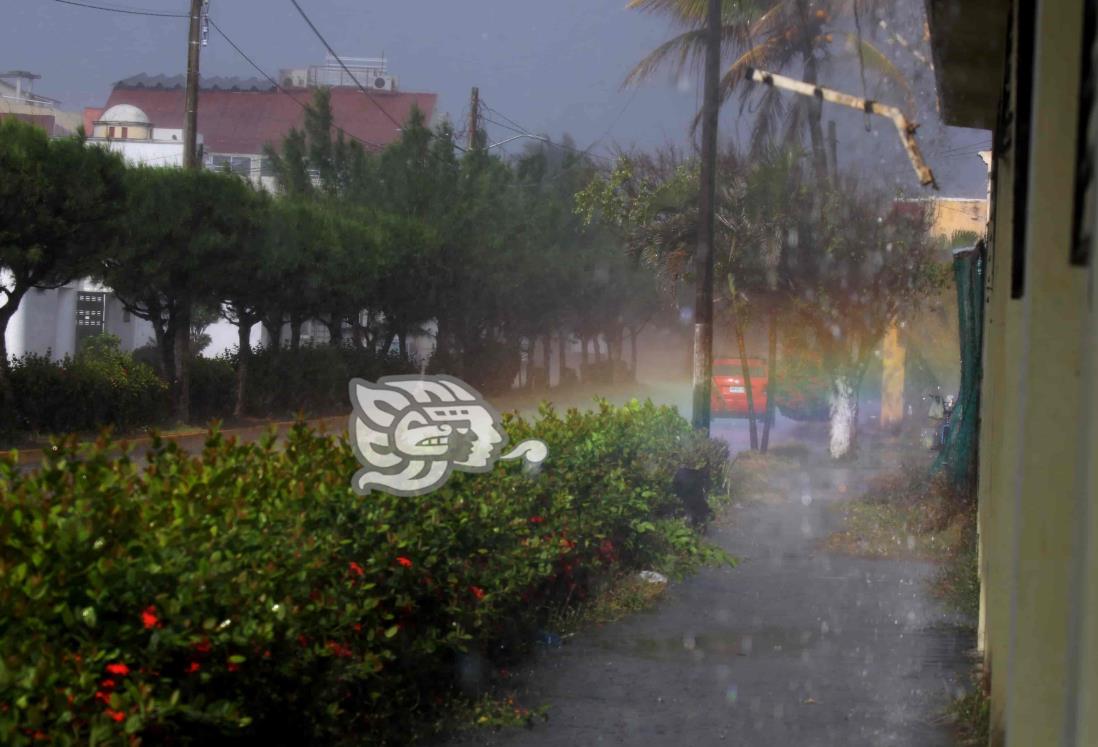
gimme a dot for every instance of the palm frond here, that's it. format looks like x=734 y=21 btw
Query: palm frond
x=878 y=62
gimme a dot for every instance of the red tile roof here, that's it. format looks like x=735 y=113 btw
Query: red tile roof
x=244 y=121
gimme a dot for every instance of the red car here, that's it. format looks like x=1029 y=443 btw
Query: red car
x=729 y=395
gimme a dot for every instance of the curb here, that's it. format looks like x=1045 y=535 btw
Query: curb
x=25 y=457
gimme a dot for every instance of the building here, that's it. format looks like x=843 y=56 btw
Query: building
x=18 y=100
x=238 y=117
x=1025 y=71
x=127 y=130
x=53 y=322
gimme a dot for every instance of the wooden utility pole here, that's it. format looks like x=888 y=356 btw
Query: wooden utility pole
x=474 y=117
x=182 y=321
x=190 y=119
x=703 y=259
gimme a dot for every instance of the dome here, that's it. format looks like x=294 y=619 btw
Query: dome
x=124 y=113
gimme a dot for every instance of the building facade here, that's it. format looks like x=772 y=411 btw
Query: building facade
x=1025 y=71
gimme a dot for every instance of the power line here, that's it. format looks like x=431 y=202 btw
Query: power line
x=280 y=89
x=345 y=68
x=127 y=11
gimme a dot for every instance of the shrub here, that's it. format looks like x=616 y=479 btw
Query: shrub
x=247 y=595
x=100 y=386
x=213 y=387
x=312 y=379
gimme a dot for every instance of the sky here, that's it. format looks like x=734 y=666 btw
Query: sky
x=553 y=67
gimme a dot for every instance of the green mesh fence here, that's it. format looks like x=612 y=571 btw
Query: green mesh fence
x=958 y=456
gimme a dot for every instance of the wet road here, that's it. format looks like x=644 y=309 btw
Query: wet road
x=796 y=646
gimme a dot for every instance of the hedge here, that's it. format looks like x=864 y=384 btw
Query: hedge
x=99 y=386
x=247 y=596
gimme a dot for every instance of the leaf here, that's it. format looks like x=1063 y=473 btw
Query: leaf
x=392 y=631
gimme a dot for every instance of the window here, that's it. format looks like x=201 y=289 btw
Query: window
x=125 y=132
x=110 y=132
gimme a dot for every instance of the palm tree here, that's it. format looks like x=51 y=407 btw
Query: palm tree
x=773 y=35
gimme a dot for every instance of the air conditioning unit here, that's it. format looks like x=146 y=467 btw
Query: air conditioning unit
x=382 y=83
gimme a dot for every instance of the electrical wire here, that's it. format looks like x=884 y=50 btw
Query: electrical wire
x=280 y=89
x=127 y=11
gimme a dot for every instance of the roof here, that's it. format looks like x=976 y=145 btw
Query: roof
x=125 y=114
x=235 y=118
x=968 y=42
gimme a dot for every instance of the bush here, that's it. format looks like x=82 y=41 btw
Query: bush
x=213 y=388
x=313 y=379
x=100 y=386
x=246 y=595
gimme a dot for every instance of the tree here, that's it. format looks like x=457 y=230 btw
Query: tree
x=60 y=202
x=179 y=225
x=774 y=35
x=839 y=275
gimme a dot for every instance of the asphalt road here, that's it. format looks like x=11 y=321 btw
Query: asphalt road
x=796 y=646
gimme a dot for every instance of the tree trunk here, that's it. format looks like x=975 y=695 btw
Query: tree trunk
x=295 y=332
x=585 y=356
x=771 y=381
x=633 y=353
x=5 y=365
x=244 y=355
x=273 y=323
x=335 y=330
x=751 y=420
x=815 y=105
x=562 y=362
x=402 y=343
x=844 y=417
x=182 y=363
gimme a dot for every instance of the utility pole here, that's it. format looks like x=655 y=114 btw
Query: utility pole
x=703 y=258
x=474 y=117
x=190 y=118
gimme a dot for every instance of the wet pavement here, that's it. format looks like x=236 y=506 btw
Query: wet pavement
x=795 y=646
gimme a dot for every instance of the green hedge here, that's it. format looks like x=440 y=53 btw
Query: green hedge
x=99 y=386
x=248 y=596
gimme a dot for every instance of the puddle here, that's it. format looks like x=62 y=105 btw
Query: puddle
x=731 y=643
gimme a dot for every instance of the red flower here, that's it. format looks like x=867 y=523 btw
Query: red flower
x=302 y=641
x=477 y=592
x=536 y=519
x=340 y=650
x=107 y=683
x=356 y=569
x=119 y=668
x=407 y=563
x=233 y=666
x=357 y=627
x=105 y=697
x=193 y=667
x=203 y=646
x=118 y=716
x=149 y=618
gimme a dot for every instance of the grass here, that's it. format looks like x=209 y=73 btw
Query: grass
x=904 y=514
x=971 y=713
x=620 y=596
x=753 y=476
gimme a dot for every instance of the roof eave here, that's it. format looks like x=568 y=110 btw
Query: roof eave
x=968 y=43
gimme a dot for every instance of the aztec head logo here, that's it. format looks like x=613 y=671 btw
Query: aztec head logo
x=411 y=432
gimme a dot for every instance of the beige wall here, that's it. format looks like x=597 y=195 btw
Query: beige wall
x=1036 y=456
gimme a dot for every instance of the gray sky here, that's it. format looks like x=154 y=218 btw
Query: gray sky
x=554 y=67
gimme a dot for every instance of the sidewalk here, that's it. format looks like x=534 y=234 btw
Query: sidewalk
x=796 y=646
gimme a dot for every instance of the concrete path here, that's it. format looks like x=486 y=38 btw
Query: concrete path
x=794 y=647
